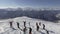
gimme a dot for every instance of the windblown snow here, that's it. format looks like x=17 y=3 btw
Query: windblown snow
x=53 y=28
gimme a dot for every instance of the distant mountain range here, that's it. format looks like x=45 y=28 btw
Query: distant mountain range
x=49 y=15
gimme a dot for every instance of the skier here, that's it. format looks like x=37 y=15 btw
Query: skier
x=37 y=26
x=18 y=25
x=24 y=30
x=30 y=30
x=24 y=23
x=47 y=32
x=11 y=26
x=43 y=26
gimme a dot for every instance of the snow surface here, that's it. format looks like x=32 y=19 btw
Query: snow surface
x=53 y=28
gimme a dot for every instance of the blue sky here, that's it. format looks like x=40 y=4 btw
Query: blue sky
x=30 y=3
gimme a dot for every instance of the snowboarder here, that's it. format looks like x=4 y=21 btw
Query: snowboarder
x=30 y=30
x=43 y=26
x=37 y=26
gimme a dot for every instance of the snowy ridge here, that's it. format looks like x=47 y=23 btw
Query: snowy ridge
x=53 y=28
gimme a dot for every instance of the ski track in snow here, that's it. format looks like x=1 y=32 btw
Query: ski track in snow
x=53 y=28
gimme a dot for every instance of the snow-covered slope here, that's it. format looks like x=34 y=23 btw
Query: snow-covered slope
x=53 y=28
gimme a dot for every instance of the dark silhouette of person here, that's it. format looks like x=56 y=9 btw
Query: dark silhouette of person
x=30 y=30
x=24 y=23
x=11 y=24
x=24 y=30
x=37 y=26
x=43 y=26
x=47 y=32
x=18 y=25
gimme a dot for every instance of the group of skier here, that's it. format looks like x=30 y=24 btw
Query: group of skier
x=25 y=28
x=37 y=27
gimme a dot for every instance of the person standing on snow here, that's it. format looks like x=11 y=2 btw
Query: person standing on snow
x=11 y=25
x=37 y=27
x=47 y=31
x=30 y=30
x=24 y=30
x=24 y=23
x=18 y=25
x=43 y=26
